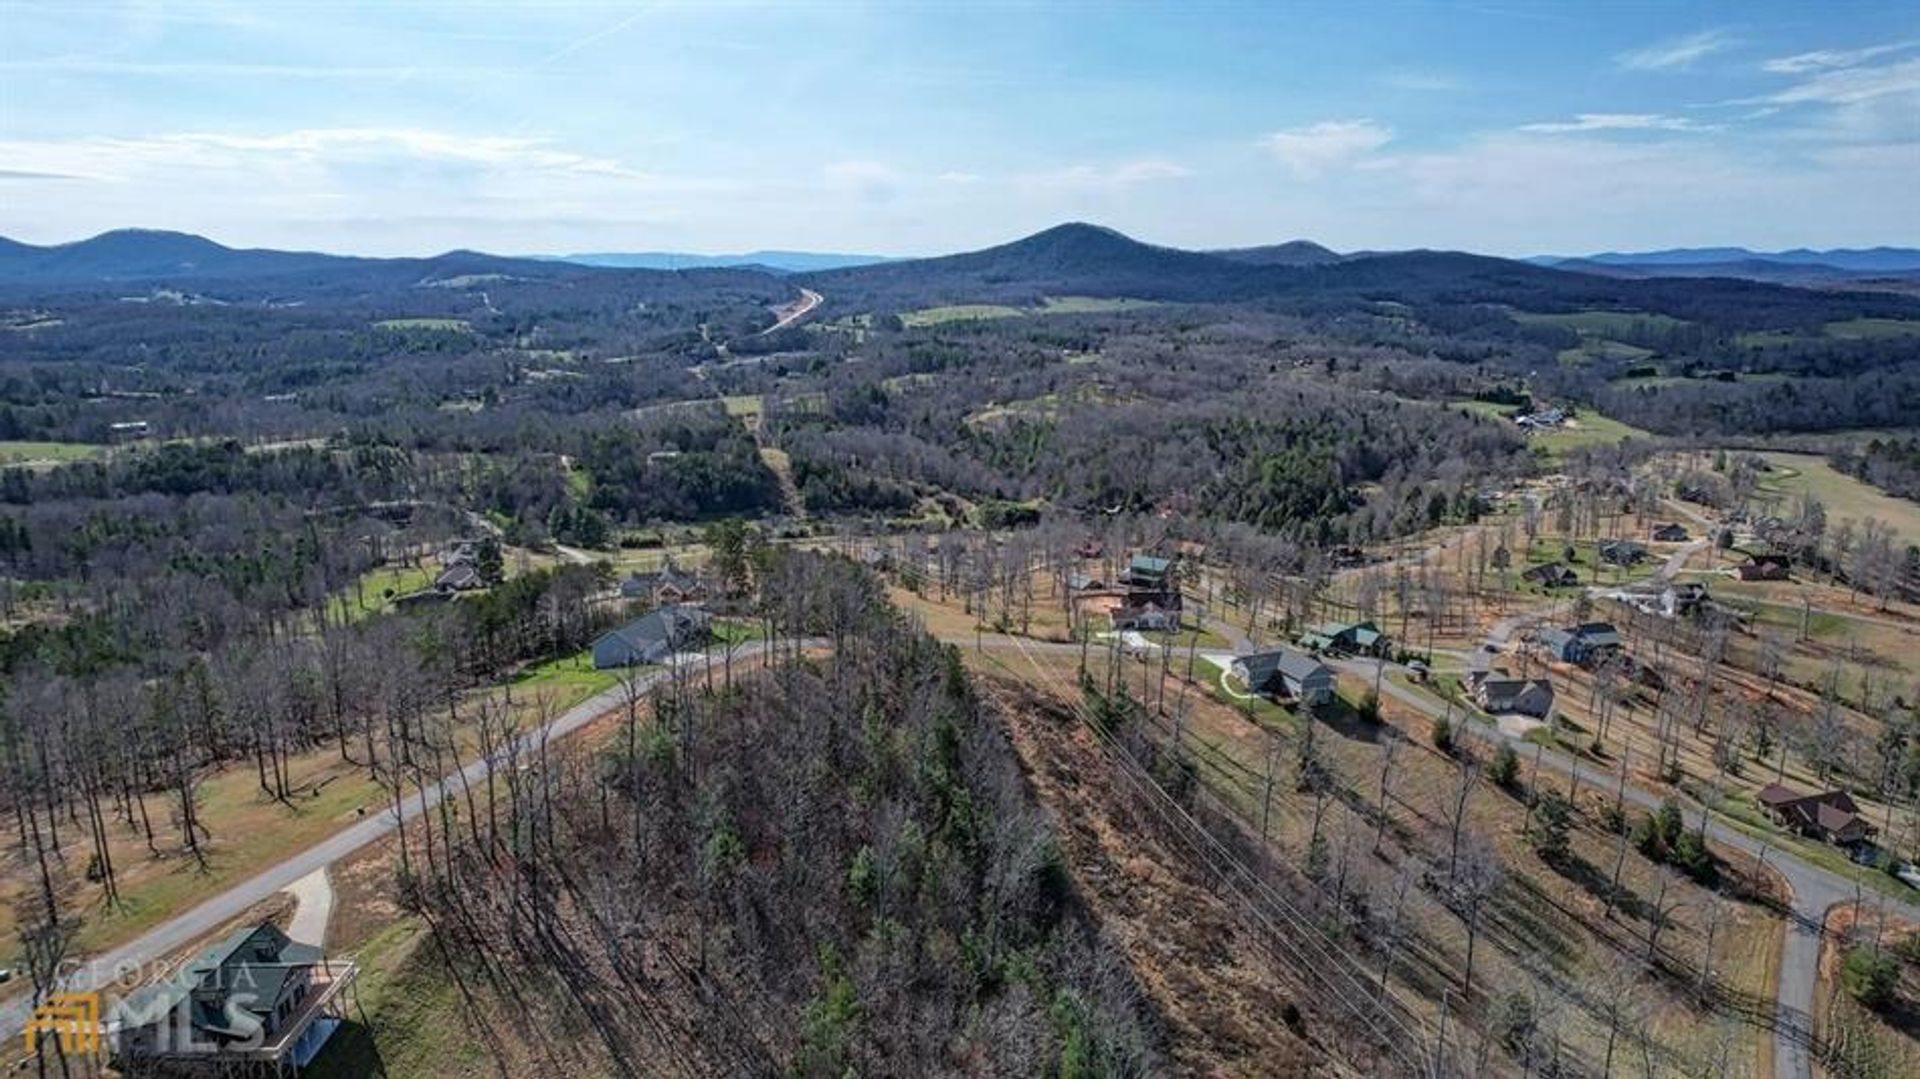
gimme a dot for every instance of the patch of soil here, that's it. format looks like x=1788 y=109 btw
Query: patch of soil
x=1230 y=1007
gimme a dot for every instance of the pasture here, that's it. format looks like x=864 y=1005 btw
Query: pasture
x=1796 y=474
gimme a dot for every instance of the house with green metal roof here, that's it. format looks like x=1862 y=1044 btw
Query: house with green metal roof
x=1352 y=638
x=256 y=997
x=1145 y=571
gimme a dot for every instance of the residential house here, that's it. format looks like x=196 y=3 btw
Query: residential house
x=1287 y=674
x=1831 y=816
x=1147 y=617
x=1090 y=548
x=1671 y=533
x=459 y=577
x=1084 y=582
x=1684 y=599
x=670 y=585
x=1587 y=644
x=652 y=637
x=1763 y=567
x=1347 y=557
x=1622 y=552
x=256 y=1001
x=1551 y=575
x=1499 y=694
x=1353 y=638
x=1150 y=573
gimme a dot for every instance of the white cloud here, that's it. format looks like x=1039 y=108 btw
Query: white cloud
x=1616 y=121
x=109 y=158
x=1824 y=59
x=1847 y=86
x=1316 y=149
x=1678 y=52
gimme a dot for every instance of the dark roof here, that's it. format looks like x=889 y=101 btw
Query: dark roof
x=1597 y=634
x=248 y=967
x=670 y=625
x=1148 y=564
x=1829 y=811
x=1295 y=666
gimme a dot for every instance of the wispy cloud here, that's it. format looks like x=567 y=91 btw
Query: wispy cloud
x=103 y=158
x=1316 y=149
x=1678 y=52
x=1617 y=121
x=1826 y=59
x=1847 y=86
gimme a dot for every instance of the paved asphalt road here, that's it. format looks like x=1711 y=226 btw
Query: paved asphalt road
x=1814 y=889
x=155 y=945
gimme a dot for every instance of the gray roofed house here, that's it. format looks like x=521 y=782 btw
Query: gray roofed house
x=1285 y=672
x=256 y=996
x=670 y=584
x=1498 y=694
x=651 y=638
x=1622 y=552
x=1148 y=616
x=1551 y=575
x=459 y=577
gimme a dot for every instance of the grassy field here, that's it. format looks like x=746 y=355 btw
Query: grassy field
x=1853 y=329
x=1600 y=323
x=455 y=325
x=25 y=453
x=1589 y=428
x=1856 y=329
x=1051 y=305
x=966 y=312
x=1795 y=474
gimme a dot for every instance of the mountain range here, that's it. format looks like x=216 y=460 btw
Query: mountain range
x=1070 y=259
x=776 y=261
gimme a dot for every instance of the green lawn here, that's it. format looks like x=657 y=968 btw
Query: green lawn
x=21 y=453
x=377 y=587
x=1051 y=305
x=1795 y=474
x=934 y=316
x=1079 y=305
x=1589 y=428
x=1855 y=329
x=1600 y=323
x=571 y=679
x=455 y=325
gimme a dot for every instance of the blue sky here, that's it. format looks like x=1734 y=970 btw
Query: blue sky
x=1509 y=127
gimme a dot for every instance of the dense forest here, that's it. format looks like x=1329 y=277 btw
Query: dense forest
x=845 y=873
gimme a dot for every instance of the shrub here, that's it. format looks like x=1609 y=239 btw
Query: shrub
x=1443 y=735
x=1551 y=827
x=1505 y=769
x=1871 y=976
x=1514 y=1022
x=1369 y=710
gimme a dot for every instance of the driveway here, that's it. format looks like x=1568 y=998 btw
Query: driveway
x=1813 y=890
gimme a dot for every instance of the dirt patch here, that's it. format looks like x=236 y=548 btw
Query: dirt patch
x=1203 y=966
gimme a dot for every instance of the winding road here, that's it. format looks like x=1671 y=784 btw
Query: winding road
x=1813 y=890
x=140 y=956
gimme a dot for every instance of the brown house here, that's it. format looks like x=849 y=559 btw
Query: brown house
x=1830 y=815
x=1763 y=567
